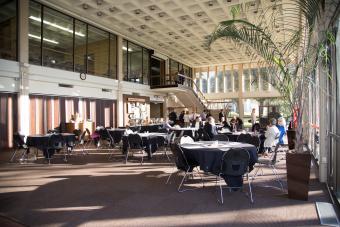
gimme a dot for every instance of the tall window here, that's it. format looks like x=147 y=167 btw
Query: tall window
x=136 y=63
x=236 y=78
x=173 y=70
x=197 y=80
x=97 y=51
x=212 y=79
x=246 y=79
x=254 y=79
x=204 y=80
x=57 y=40
x=264 y=79
x=80 y=59
x=228 y=80
x=220 y=79
x=34 y=34
x=8 y=30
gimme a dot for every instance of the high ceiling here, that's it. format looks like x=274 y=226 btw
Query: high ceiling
x=176 y=28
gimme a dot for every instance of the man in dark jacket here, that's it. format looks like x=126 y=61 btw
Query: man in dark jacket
x=210 y=127
x=220 y=116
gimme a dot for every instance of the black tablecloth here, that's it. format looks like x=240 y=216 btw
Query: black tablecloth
x=146 y=128
x=209 y=158
x=150 y=142
x=41 y=141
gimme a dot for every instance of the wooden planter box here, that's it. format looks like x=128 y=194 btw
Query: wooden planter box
x=298 y=173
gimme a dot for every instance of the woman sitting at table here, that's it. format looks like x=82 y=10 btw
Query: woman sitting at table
x=272 y=135
x=239 y=124
x=210 y=127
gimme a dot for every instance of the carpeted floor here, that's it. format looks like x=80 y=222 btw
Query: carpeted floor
x=92 y=191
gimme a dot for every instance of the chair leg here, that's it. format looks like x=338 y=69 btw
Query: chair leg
x=221 y=189
x=13 y=156
x=180 y=185
x=276 y=176
x=142 y=157
x=250 y=192
x=174 y=172
x=126 y=156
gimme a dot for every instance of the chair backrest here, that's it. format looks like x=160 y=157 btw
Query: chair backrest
x=171 y=137
x=206 y=136
x=235 y=162
x=244 y=138
x=117 y=136
x=135 y=141
x=255 y=140
x=221 y=137
x=180 y=159
x=55 y=141
x=186 y=139
x=88 y=132
x=18 y=140
x=82 y=137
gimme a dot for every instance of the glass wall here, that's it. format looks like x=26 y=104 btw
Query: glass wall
x=212 y=79
x=220 y=79
x=57 y=44
x=264 y=85
x=59 y=41
x=236 y=78
x=246 y=79
x=8 y=30
x=173 y=69
x=136 y=63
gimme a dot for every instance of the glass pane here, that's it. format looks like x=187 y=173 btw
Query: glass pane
x=220 y=82
x=80 y=47
x=228 y=81
x=236 y=78
x=125 y=56
x=254 y=81
x=135 y=53
x=97 y=52
x=264 y=79
x=212 y=80
x=34 y=33
x=146 y=66
x=8 y=30
x=57 y=40
x=173 y=70
x=197 y=81
x=204 y=80
x=246 y=80
x=113 y=56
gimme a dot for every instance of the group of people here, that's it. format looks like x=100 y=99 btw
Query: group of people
x=187 y=119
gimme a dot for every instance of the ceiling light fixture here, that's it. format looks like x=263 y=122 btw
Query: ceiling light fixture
x=210 y=3
x=143 y=26
x=152 y=8
x=161 y=14
x=147 y=18
x=99 y=13
x=137 y=11
x=47 y=40
x=56 y=26
x=85 y=6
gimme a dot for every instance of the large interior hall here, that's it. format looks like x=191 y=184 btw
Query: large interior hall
x=169 y=113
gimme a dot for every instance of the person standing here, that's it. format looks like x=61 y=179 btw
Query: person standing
x=253 y=116
x=220 y=115
x=272 y=135
x=186 y=119
x=281 y=125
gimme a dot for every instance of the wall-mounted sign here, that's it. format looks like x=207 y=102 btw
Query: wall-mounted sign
x=156 y=98
x=136 y=100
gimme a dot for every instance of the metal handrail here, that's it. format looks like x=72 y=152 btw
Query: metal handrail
x=197 y=91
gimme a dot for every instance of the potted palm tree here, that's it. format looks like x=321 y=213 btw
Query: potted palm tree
x=291 y=56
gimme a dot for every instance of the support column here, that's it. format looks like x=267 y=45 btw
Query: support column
x=165 y=108
x=23 y=96
x=120 y=101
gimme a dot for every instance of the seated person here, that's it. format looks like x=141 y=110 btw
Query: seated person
x=239 y=123
x=256 y=127
x=272 y=134
x=197 y=123
x=226 y=124
x=233 y=124
x=166 y=125
x=281 y=125
x=210 y=127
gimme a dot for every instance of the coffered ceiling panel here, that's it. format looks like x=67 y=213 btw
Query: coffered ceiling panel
x=177 y=28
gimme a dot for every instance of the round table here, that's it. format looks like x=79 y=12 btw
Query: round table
x=208 y=155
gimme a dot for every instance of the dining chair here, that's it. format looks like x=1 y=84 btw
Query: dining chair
x=255 y=140
x=270 y=163
x=55 y=143
x=234 y=162
x=135 y=144
x=244 y=138
x=19 y=144
x=186 y=139
x=182 y=165
x=80 y=144
x=221 y=137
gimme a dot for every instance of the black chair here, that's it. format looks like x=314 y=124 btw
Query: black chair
x=182 y=165
x=269 y=162
x=163 y=144
x=244 y=138
x=255 y=140
x=221 y=137
x=19 y=144
x=55 y=143
x=234 y=163
x=203 y=135
x=135 y=144
x=80 y=144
